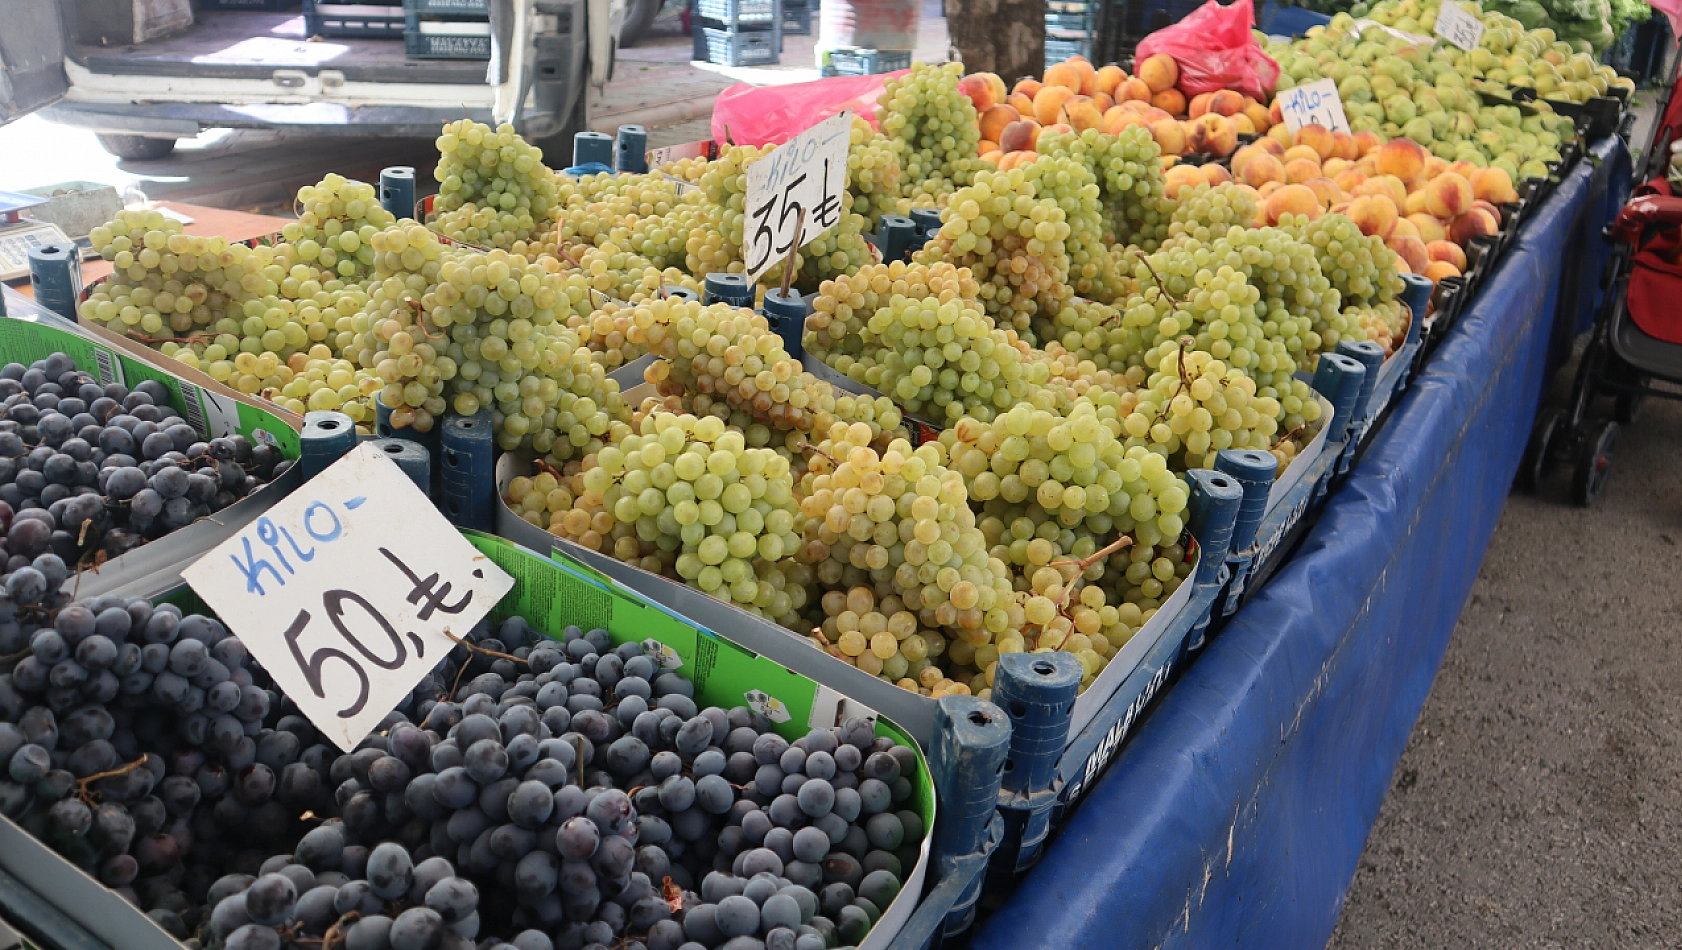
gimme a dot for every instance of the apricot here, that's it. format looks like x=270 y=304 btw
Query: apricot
x=1028 y=86
x=1048 y=104
x=1160 y=72
x=1110 y=77
x=994 y=120
x=1117 y=118
x=1171 y=101
x=1430 y=229
x=1021 y=135
x=980 y=89
x=1226 y=102
x=1022 y=103
x=1170 y=135
x=1402 y=158
x=1437 y=270
x=1199 y=104
x=1211 y=133
x=1063 y=74
x=1344 y=147
x=1133 y=88
x=1181 y=176
x=1448 y=195
x=1259 y=116
x=1299 y=170
x=1375 y=215
x=1215 y=174
x=1326 y=190
x=1473 y=224
x=1493 y=185
x=1411 y=250
x=1293 y=199
x=1367 y=142
x=1318 y=138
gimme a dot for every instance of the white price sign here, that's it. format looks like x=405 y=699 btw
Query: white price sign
x=345 y=591
x=1458 y=26
x=1316 y=103
x=802 y=180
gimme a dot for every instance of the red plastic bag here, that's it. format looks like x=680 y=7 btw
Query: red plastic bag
x=760 y=115
x=1215 y=50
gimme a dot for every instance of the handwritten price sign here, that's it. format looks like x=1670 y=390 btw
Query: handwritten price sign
x=345 y=591
x=1458 y=26
x=1316 y=103
x=799 y=181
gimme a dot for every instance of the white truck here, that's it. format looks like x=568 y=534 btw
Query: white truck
x=86 y=63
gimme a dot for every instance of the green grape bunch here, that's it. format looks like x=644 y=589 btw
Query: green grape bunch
x=493 y=188
x=934 y=127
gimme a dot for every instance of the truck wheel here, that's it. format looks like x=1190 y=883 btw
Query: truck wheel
x=638 y=20
x=135 y=148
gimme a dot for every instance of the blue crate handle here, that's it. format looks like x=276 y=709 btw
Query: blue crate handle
x=787 y=316
x=1339 y=379
x=894 y=236
x=732 y=289
x=1211 y=514
x=1254 y=471
x=674 y=292
x=1416 y=294
x=592 y=147
x=429 y=440
x=469 y=479
x=966 y=763
x=55 y=274
x=631 y=149
x=412 y=458
x=397 y=191
x=326 y=437
x=1037 y=691
x=1369 y=355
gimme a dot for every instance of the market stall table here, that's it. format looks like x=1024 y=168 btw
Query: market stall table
x=1238 y=814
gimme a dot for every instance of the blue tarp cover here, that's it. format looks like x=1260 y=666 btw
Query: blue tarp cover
x=1238 y=814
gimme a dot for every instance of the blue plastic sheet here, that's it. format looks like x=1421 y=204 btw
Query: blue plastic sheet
x=1238 y=814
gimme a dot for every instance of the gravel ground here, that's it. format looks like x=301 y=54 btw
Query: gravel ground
x=1538 y=803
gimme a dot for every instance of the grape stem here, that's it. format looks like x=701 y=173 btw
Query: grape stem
x=87 y=795
x=193 y=338
x=1288 y=436
x=420 y=319
x=1086 y=562
x=1160 y=286
x=811 y=447
x=476 y=649
x=334 y=933
x=672 y=894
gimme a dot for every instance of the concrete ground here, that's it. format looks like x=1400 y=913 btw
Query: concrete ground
x=654 y=84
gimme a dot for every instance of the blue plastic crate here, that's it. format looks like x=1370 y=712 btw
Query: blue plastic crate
x=476 y=9
x=1277 y=19
x=1076 y=22
x=347 y=21
x=1058 y=50
x=726 y=48
x=855 y=61
x=734 y=13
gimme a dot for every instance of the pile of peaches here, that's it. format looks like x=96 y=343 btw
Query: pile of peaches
x=1076 y=96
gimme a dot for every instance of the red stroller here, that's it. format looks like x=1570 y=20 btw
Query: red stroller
x=1637 y=336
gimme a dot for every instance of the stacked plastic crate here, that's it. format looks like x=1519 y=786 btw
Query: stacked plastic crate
x=447 y=29
x=1068 y=29
x=739 y=32
x=365 y=20
x=797 y=17
x=857 y=61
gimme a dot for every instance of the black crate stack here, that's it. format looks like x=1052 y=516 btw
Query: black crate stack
x=362 y=20
x=739 y=32
x=447 y=29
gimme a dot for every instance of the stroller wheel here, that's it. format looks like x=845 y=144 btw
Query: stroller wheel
x=1627 y=406
x=1534 y=464
x=1594 y=463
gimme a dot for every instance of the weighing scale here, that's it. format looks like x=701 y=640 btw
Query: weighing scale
x=18 y=234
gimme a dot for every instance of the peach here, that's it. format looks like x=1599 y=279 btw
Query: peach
x=1199 y=104
x=1063 y=74
x=1171 y=101
x=981 y=91
x=1088 y=75
x=1048 y=104
x=1437 y=270
x=1170 y=136
x=1303 y=152
x=1402 y=158
x=1280 y=134
x=1021 y=102
x=1448 y=195
x=1082 y=113
x=1242 y=124
x=1182 y=176
x=1429 y=228
x=1463 y=169
x=1318 y=138
x=1243 y=155
x=1136 y=105
x=1333 y=167
x=1494 y=212
x=1028 y=86
x=985 y=146
x=1373 y=214
x=1226 y=102
x=1153 y=114
x=1133 y=88
x=1447 y=251
x=1344 y=147
x=1342 y=207
x=1410 y=249
x=1160 y=72
x=1299 y=170
x=1021 y=135
x=1271 y=145
x=1117 y=118
x=1215 y=174
x=1404 y=228
x=1110 y=77
x=1417 y=185
x=1415 y=203
x=993 y=155
x=994 y=120
x=1274 y=116
x=1259 y=116
x=1349 y=180
x=1367 y=142
x=1268 y=189
x=1473 y=224
x=1059 y=127
x=1293 y=199
x=1327 y=190
x=1211 y=133
x=1390 y=186
x=1104 y=100
x=1493 y=185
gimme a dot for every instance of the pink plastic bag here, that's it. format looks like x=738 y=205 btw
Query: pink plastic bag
x=758 y=115
x=1215 y=50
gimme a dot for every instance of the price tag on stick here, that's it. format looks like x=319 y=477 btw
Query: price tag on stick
x=1316 y=103
x=1458 y=26
x=808 y=173
x=347 y=591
